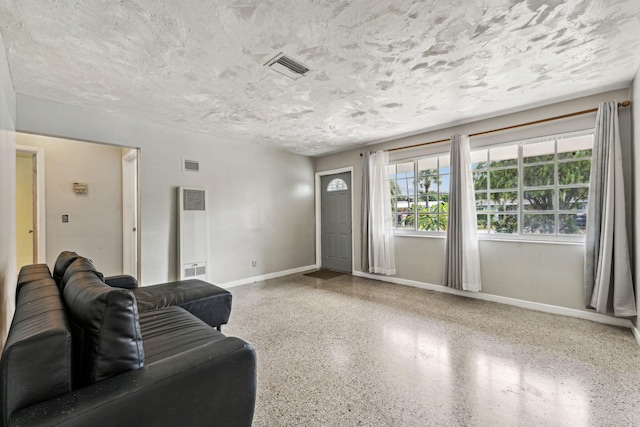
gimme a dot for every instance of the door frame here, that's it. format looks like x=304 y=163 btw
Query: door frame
x=319 y=214
x=132 y=154
x=39 y=208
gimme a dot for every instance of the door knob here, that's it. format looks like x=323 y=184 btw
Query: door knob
x=30 y=231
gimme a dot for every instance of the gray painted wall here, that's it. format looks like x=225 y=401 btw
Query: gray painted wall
x=261 y=200
x=542 y=272
x=95 y=225
x=7 y=196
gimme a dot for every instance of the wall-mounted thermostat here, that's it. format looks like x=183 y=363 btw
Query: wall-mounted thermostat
x=80 y=187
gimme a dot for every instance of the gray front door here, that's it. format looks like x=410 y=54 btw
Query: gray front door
x=335 y=231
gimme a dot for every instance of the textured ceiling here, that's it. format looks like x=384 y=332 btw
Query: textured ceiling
x=379 y=69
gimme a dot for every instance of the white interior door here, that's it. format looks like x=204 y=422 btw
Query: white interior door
x=130 y=212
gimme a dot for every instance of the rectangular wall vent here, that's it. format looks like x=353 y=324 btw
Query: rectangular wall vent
x=194 y=200
x=191 y=165
x=287 y=66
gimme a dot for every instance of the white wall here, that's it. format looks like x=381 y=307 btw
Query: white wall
x=540 y=272
x=95 y=226
x=261 y=199
x=7 y=196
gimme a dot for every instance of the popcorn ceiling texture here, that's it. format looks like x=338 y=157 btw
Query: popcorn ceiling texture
x=380 y=69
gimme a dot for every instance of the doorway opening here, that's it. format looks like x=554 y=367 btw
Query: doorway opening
x=30 y=206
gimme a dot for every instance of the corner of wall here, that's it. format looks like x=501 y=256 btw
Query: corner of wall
x=7 y=195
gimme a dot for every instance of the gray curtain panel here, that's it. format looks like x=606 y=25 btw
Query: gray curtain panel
x=607 y=277
x=453 y=256
x=364 y=214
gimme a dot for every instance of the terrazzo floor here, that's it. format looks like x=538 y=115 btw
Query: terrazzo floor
x=356 y=352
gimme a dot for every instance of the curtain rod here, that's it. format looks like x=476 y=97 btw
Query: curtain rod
x=535 y=122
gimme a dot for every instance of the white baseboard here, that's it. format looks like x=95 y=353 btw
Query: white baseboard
x=596 y=317
x=267 y=276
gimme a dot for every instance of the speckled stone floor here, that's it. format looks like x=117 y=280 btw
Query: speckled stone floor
x=351 y=351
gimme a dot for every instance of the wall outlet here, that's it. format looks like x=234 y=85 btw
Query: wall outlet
x=254 y=263
x=65 y=217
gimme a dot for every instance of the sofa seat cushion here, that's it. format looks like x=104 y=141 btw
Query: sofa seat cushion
x=172 y=330
x=106 y=329
x=208 y=302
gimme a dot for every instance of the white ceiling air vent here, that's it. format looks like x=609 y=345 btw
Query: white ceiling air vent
x=190 y=165
x=287 y=66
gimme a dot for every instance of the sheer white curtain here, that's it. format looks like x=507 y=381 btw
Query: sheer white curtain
x=462 y=254
x=607 y=276
x=381 y=250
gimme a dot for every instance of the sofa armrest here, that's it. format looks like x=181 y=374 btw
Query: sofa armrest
x=214 y=384
x=122 y=281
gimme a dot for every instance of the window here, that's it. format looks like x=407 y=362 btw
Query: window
x=337 y=184
x=533 y=187
x=420 y=193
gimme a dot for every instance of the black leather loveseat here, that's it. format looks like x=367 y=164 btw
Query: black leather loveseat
x=81 y=352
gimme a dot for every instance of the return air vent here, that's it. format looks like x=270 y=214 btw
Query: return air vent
x=193 y=200
x=287 y=67
x=191 y=165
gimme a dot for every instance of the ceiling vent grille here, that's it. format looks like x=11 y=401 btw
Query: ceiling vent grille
x=287 y=67
x=191 y=165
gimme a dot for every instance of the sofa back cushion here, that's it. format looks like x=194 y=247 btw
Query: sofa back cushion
x=36 y=360
x=106 y=328
x=79 y=264
x=62 y=262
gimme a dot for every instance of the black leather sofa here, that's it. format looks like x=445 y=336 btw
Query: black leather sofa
x=83 y=352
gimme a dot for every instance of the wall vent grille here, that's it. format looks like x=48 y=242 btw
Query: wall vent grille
x=287 y=66
x=193 y=200
x=191 y=166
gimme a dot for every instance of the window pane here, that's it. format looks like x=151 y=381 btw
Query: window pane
x=504 y=201
x=539 y=224
x=573 y=223
x=479 y=159
x=480 y=180
x=504 y=223
x=538 y=200
x=427 y=184
x=537 y=176
x=337 y=184
x=443 y=189
x=428 y=164
x=481 y=202
x=574 y=172
x=504 y=178
x=444 y=163
x=539 y=152
x=482 y=222
x=404 y=170
x=432 y=222
x=573 y=199
x=422 y=202
x=503 y=156
x=574 y=148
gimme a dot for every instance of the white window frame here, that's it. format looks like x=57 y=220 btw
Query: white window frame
x=520 y=235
